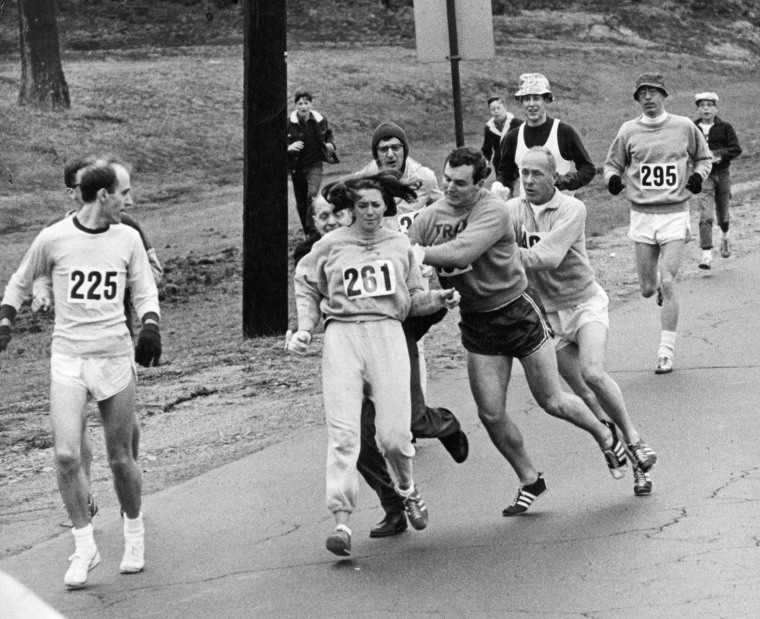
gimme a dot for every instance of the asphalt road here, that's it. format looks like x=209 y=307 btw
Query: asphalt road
x=247 y=540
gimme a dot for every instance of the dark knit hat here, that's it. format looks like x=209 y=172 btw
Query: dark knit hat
x=654 y=80
x=387 y=130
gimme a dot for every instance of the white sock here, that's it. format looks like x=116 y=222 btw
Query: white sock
x=84 y=537
x=707 y=253
x=133 y=529
x=667 y=344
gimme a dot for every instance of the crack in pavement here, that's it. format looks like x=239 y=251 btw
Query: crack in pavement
x=742 y=475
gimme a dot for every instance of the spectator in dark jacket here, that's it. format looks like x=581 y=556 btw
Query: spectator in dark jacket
x=500 y=123
x=310 y=144
x=716 y=190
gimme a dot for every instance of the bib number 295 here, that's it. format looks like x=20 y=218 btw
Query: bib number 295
x=659 y=175
x=89 y=286
x=375 y=279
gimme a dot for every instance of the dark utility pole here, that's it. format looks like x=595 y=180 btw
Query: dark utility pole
x=454 y=57
x=265 y=175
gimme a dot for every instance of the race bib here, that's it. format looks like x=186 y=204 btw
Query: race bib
x=376 y=279
x=405 y=221
x=452 y=271
x=92 y=286
x=528 y=239
x=658 y=176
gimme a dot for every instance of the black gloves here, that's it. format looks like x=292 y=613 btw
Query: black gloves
x=615 y=186
x=694 y=184
x=5 y=337
x=148 y=349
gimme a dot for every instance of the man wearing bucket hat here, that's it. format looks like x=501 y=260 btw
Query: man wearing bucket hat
x=574 y=166
x=716 y=190
x=665 y=159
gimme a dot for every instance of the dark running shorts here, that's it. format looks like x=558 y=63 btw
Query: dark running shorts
x=516 y=330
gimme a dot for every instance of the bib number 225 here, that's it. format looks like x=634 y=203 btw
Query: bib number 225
x=375 y=279
x=91 y=286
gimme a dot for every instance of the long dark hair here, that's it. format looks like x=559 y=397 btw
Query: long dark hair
x=343 y=194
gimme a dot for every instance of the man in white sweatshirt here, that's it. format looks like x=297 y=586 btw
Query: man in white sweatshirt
x=91 y=258
x=664 y=158
x=550 y=230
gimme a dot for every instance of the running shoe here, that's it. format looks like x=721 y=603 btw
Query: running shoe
x=457 y=445
x=393 y=524
x=725 y=248
x=706 y=263
x=643 y=455
x=664 y=365
x=642 y=482
x=339 y=541
x=416 y=510
x=526 y=495
x=81 y=562
x=615 y=455
x=133 y=560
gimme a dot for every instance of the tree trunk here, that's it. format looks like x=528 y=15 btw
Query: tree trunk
x=42 y=81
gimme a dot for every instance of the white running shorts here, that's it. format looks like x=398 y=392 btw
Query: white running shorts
x=659 y=228
x=101 y=377
x=567 y=323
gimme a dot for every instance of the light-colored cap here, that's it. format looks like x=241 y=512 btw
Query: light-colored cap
x=706 y=96
x=532 y=84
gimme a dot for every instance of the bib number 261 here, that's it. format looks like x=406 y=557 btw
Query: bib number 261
x=375 y=279
x=89 y=286
x=659 y=175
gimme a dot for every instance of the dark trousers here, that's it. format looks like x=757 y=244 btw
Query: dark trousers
x=714 y=198
x=426 y=422
x=306 y=184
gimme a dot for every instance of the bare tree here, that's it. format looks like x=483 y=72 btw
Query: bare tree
x=42 y=81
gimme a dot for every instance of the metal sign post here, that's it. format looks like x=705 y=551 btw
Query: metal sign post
x=454 y=30
x=456 y=87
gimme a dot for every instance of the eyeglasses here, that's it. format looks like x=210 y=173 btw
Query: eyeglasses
x=396 y=148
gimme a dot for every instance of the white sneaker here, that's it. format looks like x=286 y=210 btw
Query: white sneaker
x=133 y=560
x=82 y=562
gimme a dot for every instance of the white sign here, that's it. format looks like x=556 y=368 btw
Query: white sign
x=474 y=30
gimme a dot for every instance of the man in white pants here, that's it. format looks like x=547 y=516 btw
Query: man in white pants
x=91 y=258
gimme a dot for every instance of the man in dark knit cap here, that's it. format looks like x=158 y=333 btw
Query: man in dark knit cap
x=390 y=149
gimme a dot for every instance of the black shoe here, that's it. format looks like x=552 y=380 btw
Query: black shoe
x=393 y=524
x=457 y=445
x=526 y=495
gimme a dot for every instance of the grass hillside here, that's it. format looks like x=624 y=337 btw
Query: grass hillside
x=695 y=26
x=160 y=82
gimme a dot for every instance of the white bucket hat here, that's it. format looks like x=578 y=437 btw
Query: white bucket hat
x=533 y=84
